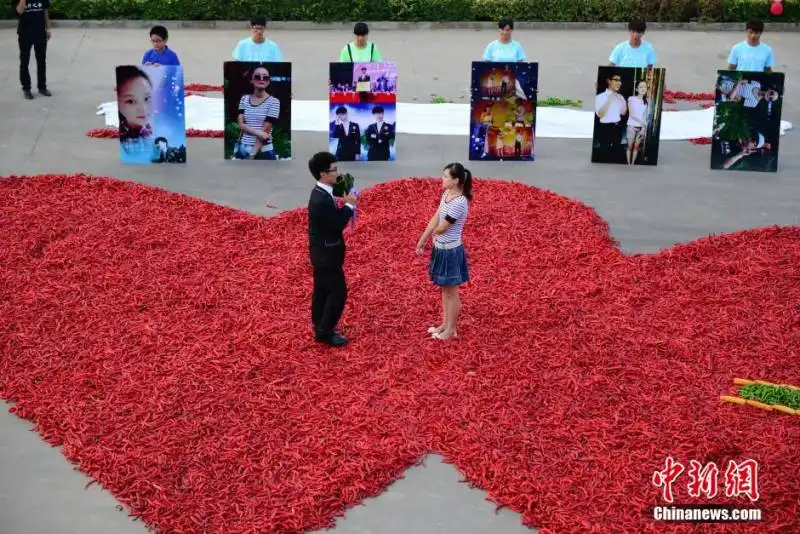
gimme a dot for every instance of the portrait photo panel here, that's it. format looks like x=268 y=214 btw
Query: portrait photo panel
x=503 y=111
x=258 y=110
x=362 y=111
x=152 y=115
x=354 y=83
x=628 y=106
x=747 y=121
x=362 y=132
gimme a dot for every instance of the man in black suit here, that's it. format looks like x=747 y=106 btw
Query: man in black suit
x=363 y=90
x=326 y=221
x=349 y=136
x=364 y=76
x=379 y=136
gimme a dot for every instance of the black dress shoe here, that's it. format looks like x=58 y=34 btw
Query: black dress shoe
x=335 y=340
x=45 y=92
x=28 y=94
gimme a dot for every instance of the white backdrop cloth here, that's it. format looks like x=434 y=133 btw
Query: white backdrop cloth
x=204 y=113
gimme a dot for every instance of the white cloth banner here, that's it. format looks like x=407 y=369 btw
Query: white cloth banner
x=204 y=113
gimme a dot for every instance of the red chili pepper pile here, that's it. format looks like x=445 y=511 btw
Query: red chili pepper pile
x=113 y=133
x=203 y=88
x=670 y=97
x=165 y=343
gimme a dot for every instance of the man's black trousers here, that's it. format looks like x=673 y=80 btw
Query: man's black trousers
x=38 y=42
x=327 y=300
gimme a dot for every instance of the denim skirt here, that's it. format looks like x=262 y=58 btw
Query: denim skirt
x=448 y=266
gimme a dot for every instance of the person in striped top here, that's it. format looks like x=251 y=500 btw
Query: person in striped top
x=257 y=114
x=448 y=267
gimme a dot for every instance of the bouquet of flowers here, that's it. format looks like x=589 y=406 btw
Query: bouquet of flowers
x=344 y=186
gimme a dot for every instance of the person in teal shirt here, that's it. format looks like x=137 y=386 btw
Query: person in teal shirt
x=635 y=52
x=504 y=50
x=361 y=50
x=257 y=47
x=751 y=54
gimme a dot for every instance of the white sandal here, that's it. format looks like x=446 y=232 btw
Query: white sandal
x=440 y=338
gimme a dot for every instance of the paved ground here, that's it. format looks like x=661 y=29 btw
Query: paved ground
x=647 y=208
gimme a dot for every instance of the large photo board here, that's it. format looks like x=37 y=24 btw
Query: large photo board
x=628 y=106
x=503 y=111
x=747 y=121
x=258 y=110
x=362 y=117
x=152 y=117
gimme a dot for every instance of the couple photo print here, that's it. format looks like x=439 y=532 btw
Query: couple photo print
x=152 y=118
x=747 y=121
x=627 y=115
x=362 y=99
x=258 y=110
x=503 y=111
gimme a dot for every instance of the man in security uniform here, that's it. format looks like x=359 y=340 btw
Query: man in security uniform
x=379 y=135
x=348 y=134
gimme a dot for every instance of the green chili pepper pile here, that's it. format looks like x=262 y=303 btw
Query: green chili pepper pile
x=771 y=395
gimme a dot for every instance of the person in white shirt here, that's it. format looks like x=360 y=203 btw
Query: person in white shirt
x=609 y=107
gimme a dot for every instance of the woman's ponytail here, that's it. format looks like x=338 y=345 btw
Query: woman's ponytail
x=466 y=187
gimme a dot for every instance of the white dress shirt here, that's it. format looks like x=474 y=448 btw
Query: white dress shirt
x=613 y=111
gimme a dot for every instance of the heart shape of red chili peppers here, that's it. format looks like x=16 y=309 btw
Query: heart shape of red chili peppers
x=165 y=342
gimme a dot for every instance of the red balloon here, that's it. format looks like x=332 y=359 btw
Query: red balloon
x=776 y=9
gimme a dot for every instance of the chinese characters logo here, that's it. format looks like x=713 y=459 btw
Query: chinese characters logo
x=740 y=479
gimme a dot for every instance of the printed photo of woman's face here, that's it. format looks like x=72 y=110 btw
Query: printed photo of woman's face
x=641 y=88
x=260 y=78
x=135 y=101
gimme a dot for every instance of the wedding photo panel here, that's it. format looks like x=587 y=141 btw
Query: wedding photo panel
x=152 y=118
x=747 y=121
x=503 y=111
x=258 y=110
x=627 y=115
x=362 y=101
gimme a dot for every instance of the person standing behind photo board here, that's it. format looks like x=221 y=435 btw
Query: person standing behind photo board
x=257 y=47
x=751 y=54
x=33 y=31
x=504 y=49
x=160 y=54
x=635 y=52
x=361 y=50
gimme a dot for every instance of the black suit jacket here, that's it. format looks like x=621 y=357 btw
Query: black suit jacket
x=349 y=142
x=326 y=222
x=379 y=141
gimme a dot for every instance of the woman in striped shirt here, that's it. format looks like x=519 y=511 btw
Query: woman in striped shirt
x=448 y=266
x=257 y=114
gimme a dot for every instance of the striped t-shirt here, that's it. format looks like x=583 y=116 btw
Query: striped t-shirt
x=750 y=92
x=454 y=211
x=255 y=116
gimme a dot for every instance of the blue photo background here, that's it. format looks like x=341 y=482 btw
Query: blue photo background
x=164 y=141
x=487 y=90
x=361 y=114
